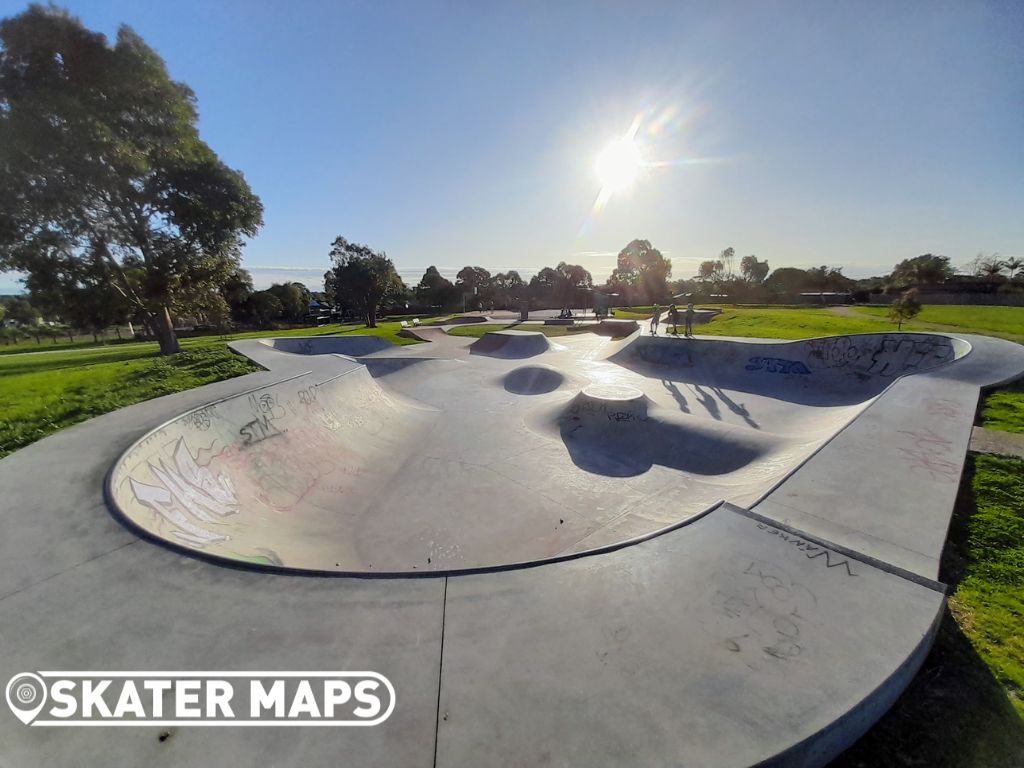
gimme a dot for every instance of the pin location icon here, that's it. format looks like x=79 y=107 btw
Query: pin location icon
x=26 y=695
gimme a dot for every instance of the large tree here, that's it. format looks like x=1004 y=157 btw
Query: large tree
x=361 y=278
x=922 y=270
x=100 y=157
x=641 y=266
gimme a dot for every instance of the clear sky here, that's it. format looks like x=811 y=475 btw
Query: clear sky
x=854 y=134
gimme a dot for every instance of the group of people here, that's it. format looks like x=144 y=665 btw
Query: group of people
x=672 y=317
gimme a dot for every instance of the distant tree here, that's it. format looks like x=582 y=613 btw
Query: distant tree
x=788 y=280
x=509 y=289
x=711 y=271
x=572 y=284
x=361 y=278
x=236 y=290
x=906 y=307
x=726 y=258
x=100 y=156
x=643 y=267
x=21 y=311
x=992 y=266
x=435 y=290
x=474 y=286
x=265 y=308
x=294 y=298
x=922 y=270
x=753 y=270
x=1013 y=264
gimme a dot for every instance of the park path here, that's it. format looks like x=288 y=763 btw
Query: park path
x=996 y=441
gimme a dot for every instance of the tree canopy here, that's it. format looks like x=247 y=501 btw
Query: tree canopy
x=923 y=270
x=642 y=268
x=361 y=278
x=100 y=158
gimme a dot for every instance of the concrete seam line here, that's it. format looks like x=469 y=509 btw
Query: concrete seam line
x=67 y=570
x=440 y=669
x=874 y=562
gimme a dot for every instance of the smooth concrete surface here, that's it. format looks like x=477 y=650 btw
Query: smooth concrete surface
x=718 y=636
x=523 y=461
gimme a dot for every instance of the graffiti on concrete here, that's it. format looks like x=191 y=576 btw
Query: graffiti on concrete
x=887 y=355
x=765 y=613
x=930 y=453
x=187 y=495
x=201 y=419
x=811 y=551
x=776 y=365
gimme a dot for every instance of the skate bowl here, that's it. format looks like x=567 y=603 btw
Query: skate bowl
x=520 y=463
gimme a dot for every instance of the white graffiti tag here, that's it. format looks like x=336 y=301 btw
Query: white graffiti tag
x=188 y=493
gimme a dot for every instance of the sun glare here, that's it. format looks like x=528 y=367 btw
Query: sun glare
x=618 y=165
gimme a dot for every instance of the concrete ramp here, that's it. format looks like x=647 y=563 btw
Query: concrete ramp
x=513 y=345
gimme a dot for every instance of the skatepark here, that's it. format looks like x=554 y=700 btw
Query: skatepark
x=581 y=550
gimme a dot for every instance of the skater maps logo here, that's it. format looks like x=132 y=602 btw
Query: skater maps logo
x=200 y=698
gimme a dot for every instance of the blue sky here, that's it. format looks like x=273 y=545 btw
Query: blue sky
x=853 y=134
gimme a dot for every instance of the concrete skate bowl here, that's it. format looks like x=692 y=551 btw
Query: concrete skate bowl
x=352 y=346
x=829 y=371
x=405 y=465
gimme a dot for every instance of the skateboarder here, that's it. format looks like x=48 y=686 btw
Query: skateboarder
x=655 y=319
x=688 y=331
x=673 y=317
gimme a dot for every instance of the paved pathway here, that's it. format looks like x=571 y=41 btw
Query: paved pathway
x=996 y=441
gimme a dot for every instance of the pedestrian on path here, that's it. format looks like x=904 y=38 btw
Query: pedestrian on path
x=688 y=330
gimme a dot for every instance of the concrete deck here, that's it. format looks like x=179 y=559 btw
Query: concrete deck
x=664 y=628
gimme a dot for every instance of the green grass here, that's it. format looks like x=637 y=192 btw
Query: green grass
x=1004 y=409
x=38 y=403
x=788 y=323
x=46 y=391
x=1003 y=322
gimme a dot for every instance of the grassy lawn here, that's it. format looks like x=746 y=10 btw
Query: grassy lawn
x=803 y=323
x=1004 y=322
x=46 y=391
x=1004 y=409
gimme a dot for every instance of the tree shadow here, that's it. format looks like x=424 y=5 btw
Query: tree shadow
x=954 y=713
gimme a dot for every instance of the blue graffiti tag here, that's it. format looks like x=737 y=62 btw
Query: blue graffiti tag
x=776 y=365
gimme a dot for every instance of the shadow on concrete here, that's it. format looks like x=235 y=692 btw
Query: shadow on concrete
x=954 y=714
x=630 y=448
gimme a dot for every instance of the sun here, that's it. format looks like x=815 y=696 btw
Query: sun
x=618 y=165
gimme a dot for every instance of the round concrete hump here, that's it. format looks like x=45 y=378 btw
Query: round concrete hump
x=512 y=344
x=614 y=402
x=533 y=380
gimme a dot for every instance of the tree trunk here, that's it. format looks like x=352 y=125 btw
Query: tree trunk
x=163 y=329
x=371 y=317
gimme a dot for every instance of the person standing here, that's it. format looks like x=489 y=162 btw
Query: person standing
x=655 y=319
x=673 y=317
x=688 y=330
